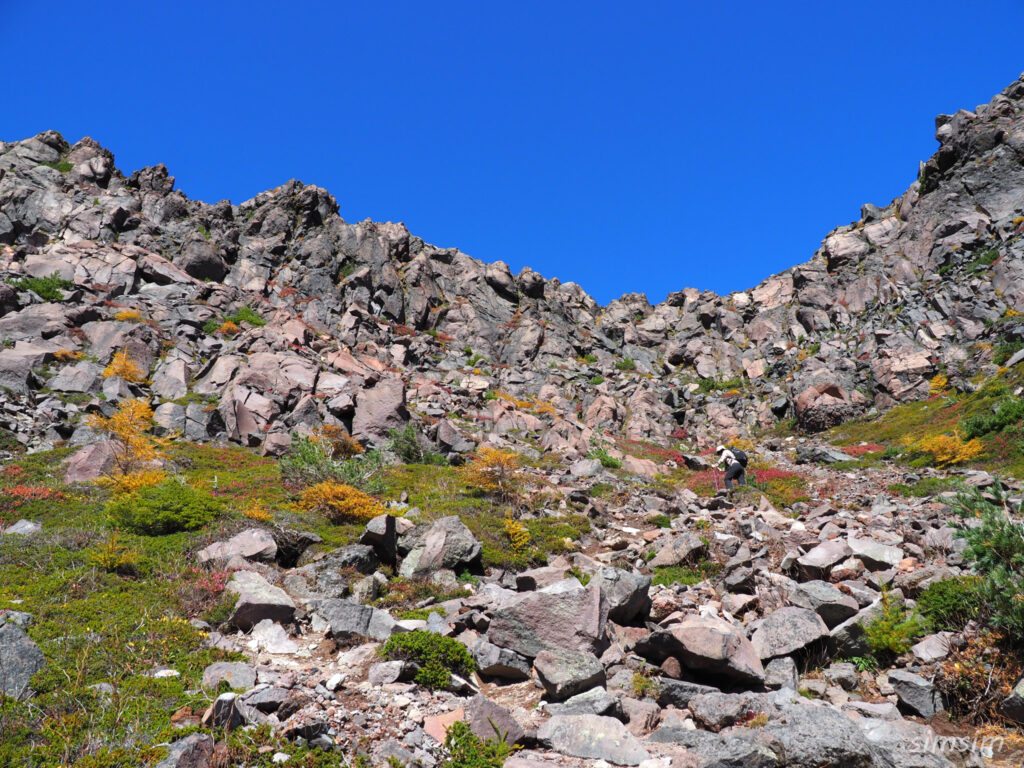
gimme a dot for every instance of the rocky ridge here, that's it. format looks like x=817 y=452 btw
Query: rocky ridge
x=366 y=327
x=366 y=323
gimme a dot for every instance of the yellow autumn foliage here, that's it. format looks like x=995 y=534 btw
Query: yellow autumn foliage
x=494 y=472
x=938 y=384
x=518 y=535
x=136 y=450
x=340 y=503
x=128 y=316
x=336 y=442
x=122 y=364
x=120 y=484
x=228 y=328
x=949 y=449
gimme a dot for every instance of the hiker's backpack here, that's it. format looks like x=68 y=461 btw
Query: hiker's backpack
x=741 y=457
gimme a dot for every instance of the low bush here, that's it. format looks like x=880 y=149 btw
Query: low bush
x=494 y=472
x=47 y=288
x=946 y=450
x=684 y=574
x=1009 y=412
x=467 y=750
x=895 y=629
x=340 y=503
x=405 y=444
x=607 y=460
x=949 y=604
x=310 y=461
x=995 y=549
x=712 y=384
x=518 y=535
x=168 y=507
x=625 y=364
x=246 y=315
x=437 y=657
x=124 y=366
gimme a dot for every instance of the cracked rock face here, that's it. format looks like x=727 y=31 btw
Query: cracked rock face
x=367 y=325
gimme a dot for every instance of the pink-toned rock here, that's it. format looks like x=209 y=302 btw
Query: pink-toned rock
x=825 y=405
x=643 y=467
x=89 y=462
x=713 y=645
x=436 y=726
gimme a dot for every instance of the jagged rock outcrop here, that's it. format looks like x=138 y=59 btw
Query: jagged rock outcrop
x=368 y=326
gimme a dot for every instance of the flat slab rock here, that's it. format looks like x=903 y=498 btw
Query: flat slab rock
x=594 y=737
x=252 y=544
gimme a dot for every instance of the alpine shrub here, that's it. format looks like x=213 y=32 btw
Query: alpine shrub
x=436 y=656
x=1008 y=413
x=949 y=604
x=467 y=750
x=894 y=630
x=47 y=288
x=168 y=507
x=995 y=548
x=340 y=503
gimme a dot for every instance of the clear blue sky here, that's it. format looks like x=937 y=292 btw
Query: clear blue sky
x=627 y=146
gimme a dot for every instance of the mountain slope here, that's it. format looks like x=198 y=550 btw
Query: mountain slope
x=917 y=287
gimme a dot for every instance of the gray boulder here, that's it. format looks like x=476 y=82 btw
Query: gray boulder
x=596 y=701
x=1013 y=705
x=258 y=600
x=826 y=600
x=820 y=454
x=716 y=647
x=238 y=675
x=565 y=673
x=916 y=695
x=818 y=562
x=490 y=720
x=788 y=630
x=492 y=661
x=193 y=751
x=626 y=594
x=349 y=619
x=875 y=555
x=20 y=658
x=251 y=544
x=573 y=619
x=593 y=737
x=448 y=543
x=684 y=548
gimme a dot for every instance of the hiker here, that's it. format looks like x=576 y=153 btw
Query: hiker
x=735 y=465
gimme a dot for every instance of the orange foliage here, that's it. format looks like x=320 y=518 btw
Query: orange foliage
x=122 y=364
x=495 y=472
x=340 y=503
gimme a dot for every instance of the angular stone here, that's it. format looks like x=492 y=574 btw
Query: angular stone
x=492 y=661
x=193 y=751
x=251 y=544
x=712 y=645
x=22 y=528
x=224 y=713
x=564 y=673
x=238 y=675
x=592 y=736
x=678 y=693
x=781 y=673
x=916 y=695
x=596 y=701
x=258 y=600
x=626 y=594
x=490 y=720
x=538 y=621
x=684 y=548
x=875 y=555
x=20 y=658
x=787 y=630
x=817 y=563
x=1013 y=705
x=448 y=543
x=828 y=601
x=348 y=619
